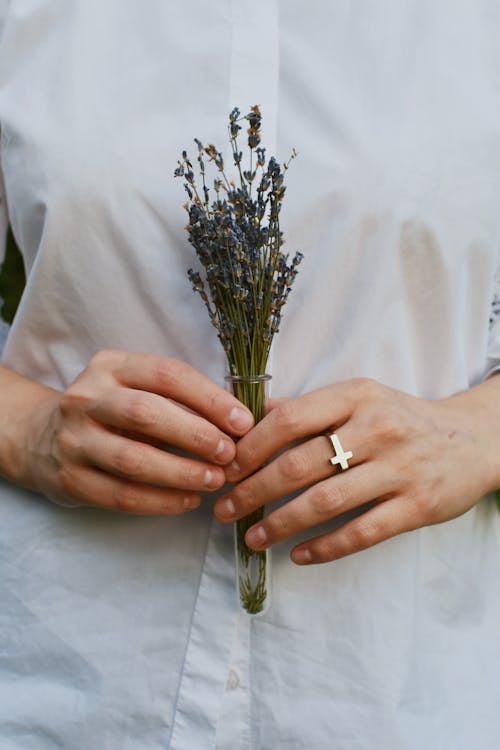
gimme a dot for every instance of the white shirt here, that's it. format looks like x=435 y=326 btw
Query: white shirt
x=121 y=632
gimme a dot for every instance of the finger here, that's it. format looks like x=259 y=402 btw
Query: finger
x=140 y=462
x=387 y=519
x=322 y=502
x=178 y=380
x=92 y=487
x=162 y=419
x=294 y=419
x=298 y=467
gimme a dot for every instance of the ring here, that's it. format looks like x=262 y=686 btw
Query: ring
x=341 y=456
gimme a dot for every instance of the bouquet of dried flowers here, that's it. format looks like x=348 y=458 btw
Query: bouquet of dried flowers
x=246 y=282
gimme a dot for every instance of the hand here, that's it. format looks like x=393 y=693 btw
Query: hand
x=96 y=443
x=420 y=462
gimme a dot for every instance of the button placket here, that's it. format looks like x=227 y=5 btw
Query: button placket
x=255 y=66
x=221 y=701
x=209 y=647
x=233 y=728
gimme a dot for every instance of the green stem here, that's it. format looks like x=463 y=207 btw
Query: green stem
x=252 y=565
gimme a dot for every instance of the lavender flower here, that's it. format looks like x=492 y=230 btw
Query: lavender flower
x=246 y=282
x=238 y=241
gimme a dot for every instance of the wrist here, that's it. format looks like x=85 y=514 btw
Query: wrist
x=476 y=413
x=24 y=406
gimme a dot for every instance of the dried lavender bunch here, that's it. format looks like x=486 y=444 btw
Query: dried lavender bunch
x=247 y=278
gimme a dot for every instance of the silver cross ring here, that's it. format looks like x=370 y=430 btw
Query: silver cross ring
x=341 y=456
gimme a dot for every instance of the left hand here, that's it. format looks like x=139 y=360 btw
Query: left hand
x=421 y=462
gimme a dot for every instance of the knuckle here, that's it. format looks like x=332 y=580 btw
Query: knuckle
x=170 y=504
x=387 y=427
x=328 y=499
x=278 y=525
x=216 y=402
x=73 y=401
x=394 y=432
x=140 y=412
x=104 y=359
x=126 y=498
x=366 y=388
x=364 y=534
x=66 y=443
x=168 y=373
x=191 y=475
x=325 y=550
x=427 y=506
x=295 y=466
x=247 y=456
x=68 y=403
x=245 y=498
x=287 y=418
x=129 y=460
x=203 y=438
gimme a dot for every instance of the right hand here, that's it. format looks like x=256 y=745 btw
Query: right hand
x=95 y=444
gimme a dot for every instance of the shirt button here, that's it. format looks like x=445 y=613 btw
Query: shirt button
x=232 y=680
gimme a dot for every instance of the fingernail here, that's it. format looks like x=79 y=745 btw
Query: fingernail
x=256 y=537
x=212 y=479
x=232 y=470
x=226 y=508
x=223 y=447
x=220 y=447
x=191 y=502
x=240 y=418
x=301 y=556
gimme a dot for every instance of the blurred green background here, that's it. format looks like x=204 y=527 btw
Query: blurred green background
x=12 y=280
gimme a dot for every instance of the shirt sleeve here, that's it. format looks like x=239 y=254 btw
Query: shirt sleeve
x=4 y=328
x=493 y=362
x=4 y=223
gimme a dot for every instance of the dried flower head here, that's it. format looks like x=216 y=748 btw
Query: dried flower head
x=237 y=238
